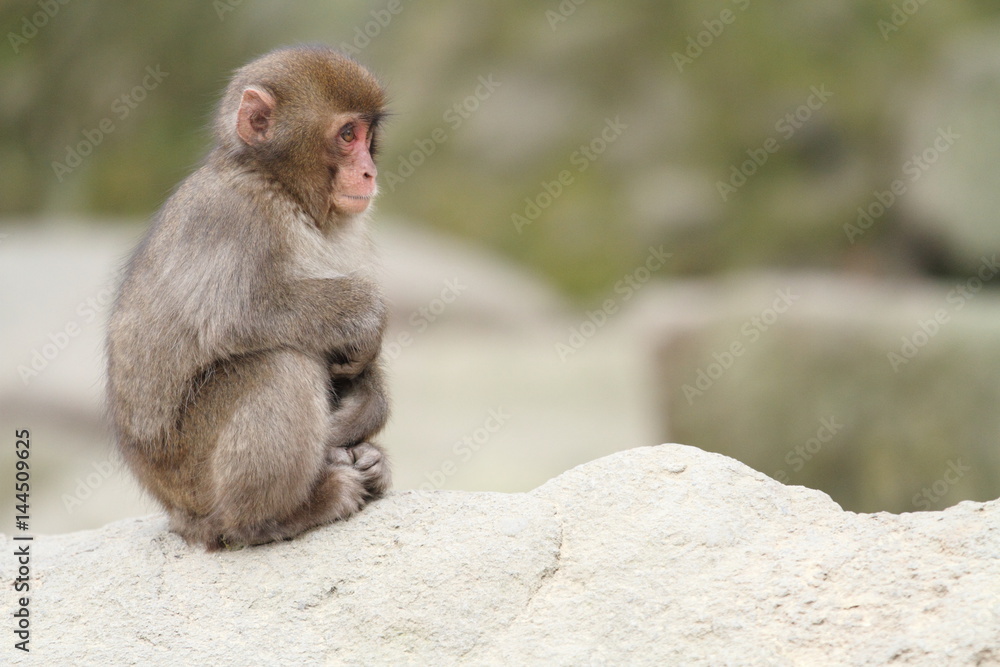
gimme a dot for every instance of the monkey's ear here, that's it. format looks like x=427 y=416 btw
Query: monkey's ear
x=253 y=119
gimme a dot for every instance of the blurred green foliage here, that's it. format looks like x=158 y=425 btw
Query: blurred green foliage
x=563 y=70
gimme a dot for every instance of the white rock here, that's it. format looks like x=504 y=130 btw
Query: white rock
x=659 y=555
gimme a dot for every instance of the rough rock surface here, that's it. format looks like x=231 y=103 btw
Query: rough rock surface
x=659 y=555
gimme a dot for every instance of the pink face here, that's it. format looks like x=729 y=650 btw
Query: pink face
x=347 y=154
x=351 y=165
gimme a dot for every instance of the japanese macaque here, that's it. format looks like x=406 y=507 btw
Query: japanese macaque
x=244 y=385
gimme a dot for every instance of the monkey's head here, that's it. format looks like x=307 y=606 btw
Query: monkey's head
x=308 y=117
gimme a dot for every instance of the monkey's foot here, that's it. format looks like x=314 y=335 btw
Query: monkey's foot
x=369 y=460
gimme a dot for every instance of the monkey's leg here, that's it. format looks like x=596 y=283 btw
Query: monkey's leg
x=339 y=493
x=270 y=479
x=359 y=407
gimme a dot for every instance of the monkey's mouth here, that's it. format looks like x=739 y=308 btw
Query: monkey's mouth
x=352 y=203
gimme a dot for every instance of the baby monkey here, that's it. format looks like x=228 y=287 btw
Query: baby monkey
x=244 y=386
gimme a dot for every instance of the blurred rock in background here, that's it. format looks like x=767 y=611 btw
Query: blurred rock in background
x=884 y=396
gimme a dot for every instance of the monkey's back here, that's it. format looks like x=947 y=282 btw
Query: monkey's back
x=189 y=281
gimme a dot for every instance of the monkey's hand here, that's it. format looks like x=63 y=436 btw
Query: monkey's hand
x=368 y=459
x=341 y=366
x=366 y=342
x=343 y=369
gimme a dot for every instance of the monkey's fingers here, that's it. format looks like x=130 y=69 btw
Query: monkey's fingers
x=340 y=456
x=366 y=456
x=368 y=459
x=347 y=369
x=362 y=456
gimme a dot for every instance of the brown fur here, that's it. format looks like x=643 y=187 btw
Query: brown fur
x=243 y=379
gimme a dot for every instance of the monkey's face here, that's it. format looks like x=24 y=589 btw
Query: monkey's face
x=350 y=146
x=308 y=117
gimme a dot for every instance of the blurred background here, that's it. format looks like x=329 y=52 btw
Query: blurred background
x=762 y=229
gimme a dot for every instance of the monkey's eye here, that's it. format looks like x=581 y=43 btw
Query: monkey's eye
x=347 y=133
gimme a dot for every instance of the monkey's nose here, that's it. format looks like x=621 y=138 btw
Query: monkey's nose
x=367 y=167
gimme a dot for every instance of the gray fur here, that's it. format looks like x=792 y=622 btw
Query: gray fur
x=243 y=378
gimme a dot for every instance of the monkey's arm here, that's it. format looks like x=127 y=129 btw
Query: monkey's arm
x=344 y=316
x=250 y=284
x=362 y=407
